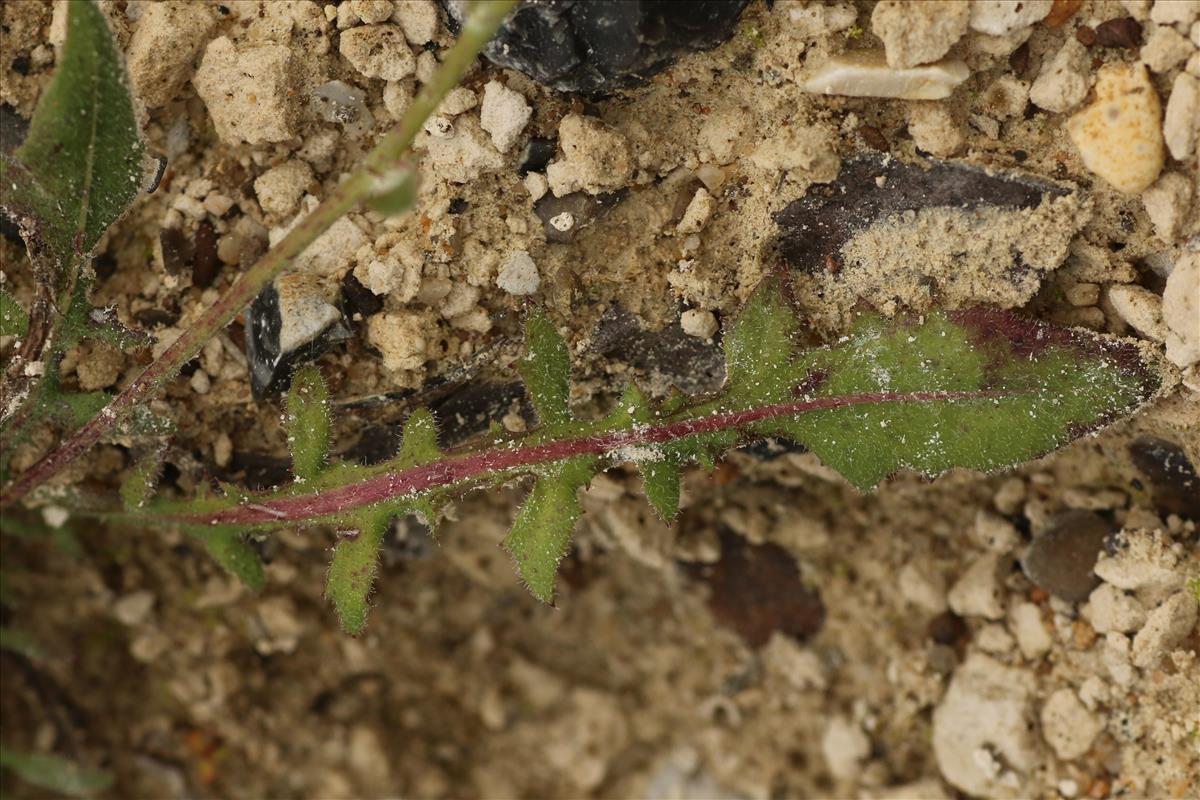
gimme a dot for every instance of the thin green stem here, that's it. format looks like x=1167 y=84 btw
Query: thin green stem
x=387 y=155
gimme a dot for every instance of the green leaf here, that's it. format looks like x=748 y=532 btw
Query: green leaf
x=660 y=479
x=232 y=552
x=21 y=643
x=76 y=408
x=13 y=319
x=80 y=166
x=658 y=465
x=1041 y=387
x=55 y=773
x=352 y=573
x=541 y=533
x=141 y=479
x=758 y=349
x=419 y=445
x=307 y=422
x=546 y=369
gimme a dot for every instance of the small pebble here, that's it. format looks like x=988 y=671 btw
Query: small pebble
x=1124 y=32
x=519 y=274
x=133 y=608
x=865 y=73
x=1068 y=726
x=698 y=322
x=980 y=592
x=1142 y=561
x=1181 y=123
x=1000 y=17
x=1140 y=308
x=1032 y=637
x=1166 y=626
x=563 y=222
x=1119 y=135
x=1111 y=609
x=1062 y=558
x=1181 y=310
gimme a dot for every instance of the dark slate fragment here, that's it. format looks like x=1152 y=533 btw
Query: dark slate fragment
x=271 y=368
x=1122 y=32
x=756 y=590
x=1061 y=559
x=536 y=155
x=1173 y=479
x=693 y=365
x=358 y=299
x=177 y=250
x=818 y=224
x=601 y=45
x=205 y=264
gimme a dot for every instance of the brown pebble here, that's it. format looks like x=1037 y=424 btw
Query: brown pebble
x=1099 y=788
x=1060 y=12
x=1060 y=560
x=1018 y=61
x=176 y=249
x=874 y=138
x=206 y=265
x=1083 y=635
x=1085 y=36
x=949 y=629
x=1121 y=32
x=756 y=590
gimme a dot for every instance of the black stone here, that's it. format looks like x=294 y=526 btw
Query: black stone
x=1061 y=559
x=1173 y=479
x=600 y=45
x=536 y=155
x=358 y=299
x=271 y=369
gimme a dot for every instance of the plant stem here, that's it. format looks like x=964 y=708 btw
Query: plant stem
x=511 y=456
x=484 y=19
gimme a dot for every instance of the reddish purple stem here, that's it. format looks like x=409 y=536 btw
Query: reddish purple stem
x=454 y=469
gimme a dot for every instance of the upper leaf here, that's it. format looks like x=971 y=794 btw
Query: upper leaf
x=307 y=422
x=758 y=350
x=546 y=369
x=1023 y=387
x=80 y=165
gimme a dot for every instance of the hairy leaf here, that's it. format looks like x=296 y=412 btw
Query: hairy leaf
x=419 y=445
x=13 y=319
x=80 y=165
x=542 y=530
x=546 y=369
x=307 y=422
x=1023 y=388
x=758 y=350
x=232 y=552
x=352 y=573
x=141 y=479
x=55 y=773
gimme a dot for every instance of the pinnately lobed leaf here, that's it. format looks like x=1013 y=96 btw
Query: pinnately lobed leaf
x=80 y=166
x=976 y=388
